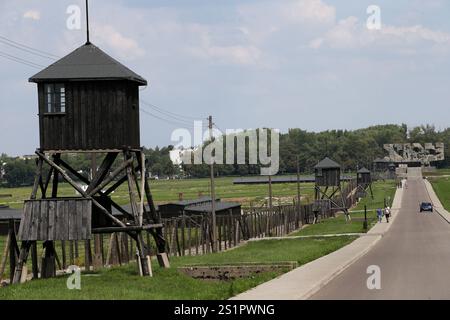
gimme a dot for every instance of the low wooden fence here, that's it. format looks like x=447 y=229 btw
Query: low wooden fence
x=186 y=235
x=192 y=235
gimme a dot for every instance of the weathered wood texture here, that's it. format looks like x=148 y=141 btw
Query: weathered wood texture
x=364 y=178
x=99 y=115
x=56 y=219
x=328 y=177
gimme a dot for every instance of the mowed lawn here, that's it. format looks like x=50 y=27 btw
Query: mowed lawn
x=338 y=225
x=170 y=284
x=168 y=190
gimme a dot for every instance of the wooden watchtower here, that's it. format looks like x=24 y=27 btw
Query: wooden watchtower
x=89 y=103
x=364 y=182
x=328 y=190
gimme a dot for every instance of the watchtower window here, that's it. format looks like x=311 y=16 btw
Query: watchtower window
x=319 y=172
x=55 y=98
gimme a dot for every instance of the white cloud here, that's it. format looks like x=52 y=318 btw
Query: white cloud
x=350 y=33
x=309 y=11
x=263 y=20
x=32 y=14
x=228 y=52
x=125 y=47
x=238 y=54
x=316 y=43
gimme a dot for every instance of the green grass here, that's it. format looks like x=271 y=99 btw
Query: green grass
x=442 y=188
x=381 y=190
x=123 y=282
x=168 y=190
x=79 y=261
x=338 y=225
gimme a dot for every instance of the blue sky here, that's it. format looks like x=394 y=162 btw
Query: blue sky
x=311 y=64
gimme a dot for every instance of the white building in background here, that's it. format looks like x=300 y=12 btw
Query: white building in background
x=177 y=155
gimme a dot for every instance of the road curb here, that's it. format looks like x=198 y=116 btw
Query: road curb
x=396 y=204
x=324 y=282
x=305 y=281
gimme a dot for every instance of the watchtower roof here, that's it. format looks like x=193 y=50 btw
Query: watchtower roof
x=87 y=63
x=363 y=170
x=327 y=163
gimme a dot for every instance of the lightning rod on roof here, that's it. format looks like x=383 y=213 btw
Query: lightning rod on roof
x=87 y=22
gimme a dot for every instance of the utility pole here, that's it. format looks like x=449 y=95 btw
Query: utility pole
x=299 y=214
x=213 y=192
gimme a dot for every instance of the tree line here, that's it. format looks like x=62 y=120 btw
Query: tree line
x=350 y=148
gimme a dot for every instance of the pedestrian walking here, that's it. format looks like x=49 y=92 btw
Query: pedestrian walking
x=387 y=213
x=379 y=214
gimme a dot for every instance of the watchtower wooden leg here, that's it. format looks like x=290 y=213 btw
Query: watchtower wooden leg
x=34 y=260
x=163 y=258
x=26 y=245
x=13 y=248
x=142 y=255
x=49 y=261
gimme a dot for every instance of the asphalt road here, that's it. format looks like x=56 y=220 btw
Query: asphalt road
x=414 y=256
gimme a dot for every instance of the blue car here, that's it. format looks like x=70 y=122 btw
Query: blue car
x=426 y=206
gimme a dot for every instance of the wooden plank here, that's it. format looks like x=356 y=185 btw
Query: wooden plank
x=34 y=221
x=80 y=220
x=51 y=227
x=84 y=221
x=24 y=223
x=43 y=221
x=72 y=220
x=60 y=226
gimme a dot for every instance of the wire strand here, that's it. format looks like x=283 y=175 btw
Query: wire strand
x=30 y=48
x=20 y=60
x=169 y=113
x=26 y=50
x=167 y=120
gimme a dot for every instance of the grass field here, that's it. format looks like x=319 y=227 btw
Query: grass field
x=168 y=190
x=338 y=225
x=124 y=283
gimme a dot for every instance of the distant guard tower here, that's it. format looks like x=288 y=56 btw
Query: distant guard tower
x=364 y=182
x=328 y=185
x=88 y=103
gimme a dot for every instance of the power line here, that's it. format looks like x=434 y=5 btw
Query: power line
x=20 y=60
x=26 y=50
x=168 y=118
x=168 y=121
x=174 y=118
x=29 y=48
x=174 y=115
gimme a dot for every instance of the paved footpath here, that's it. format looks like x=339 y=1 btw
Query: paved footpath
x=414 y=256
x=306 y=280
